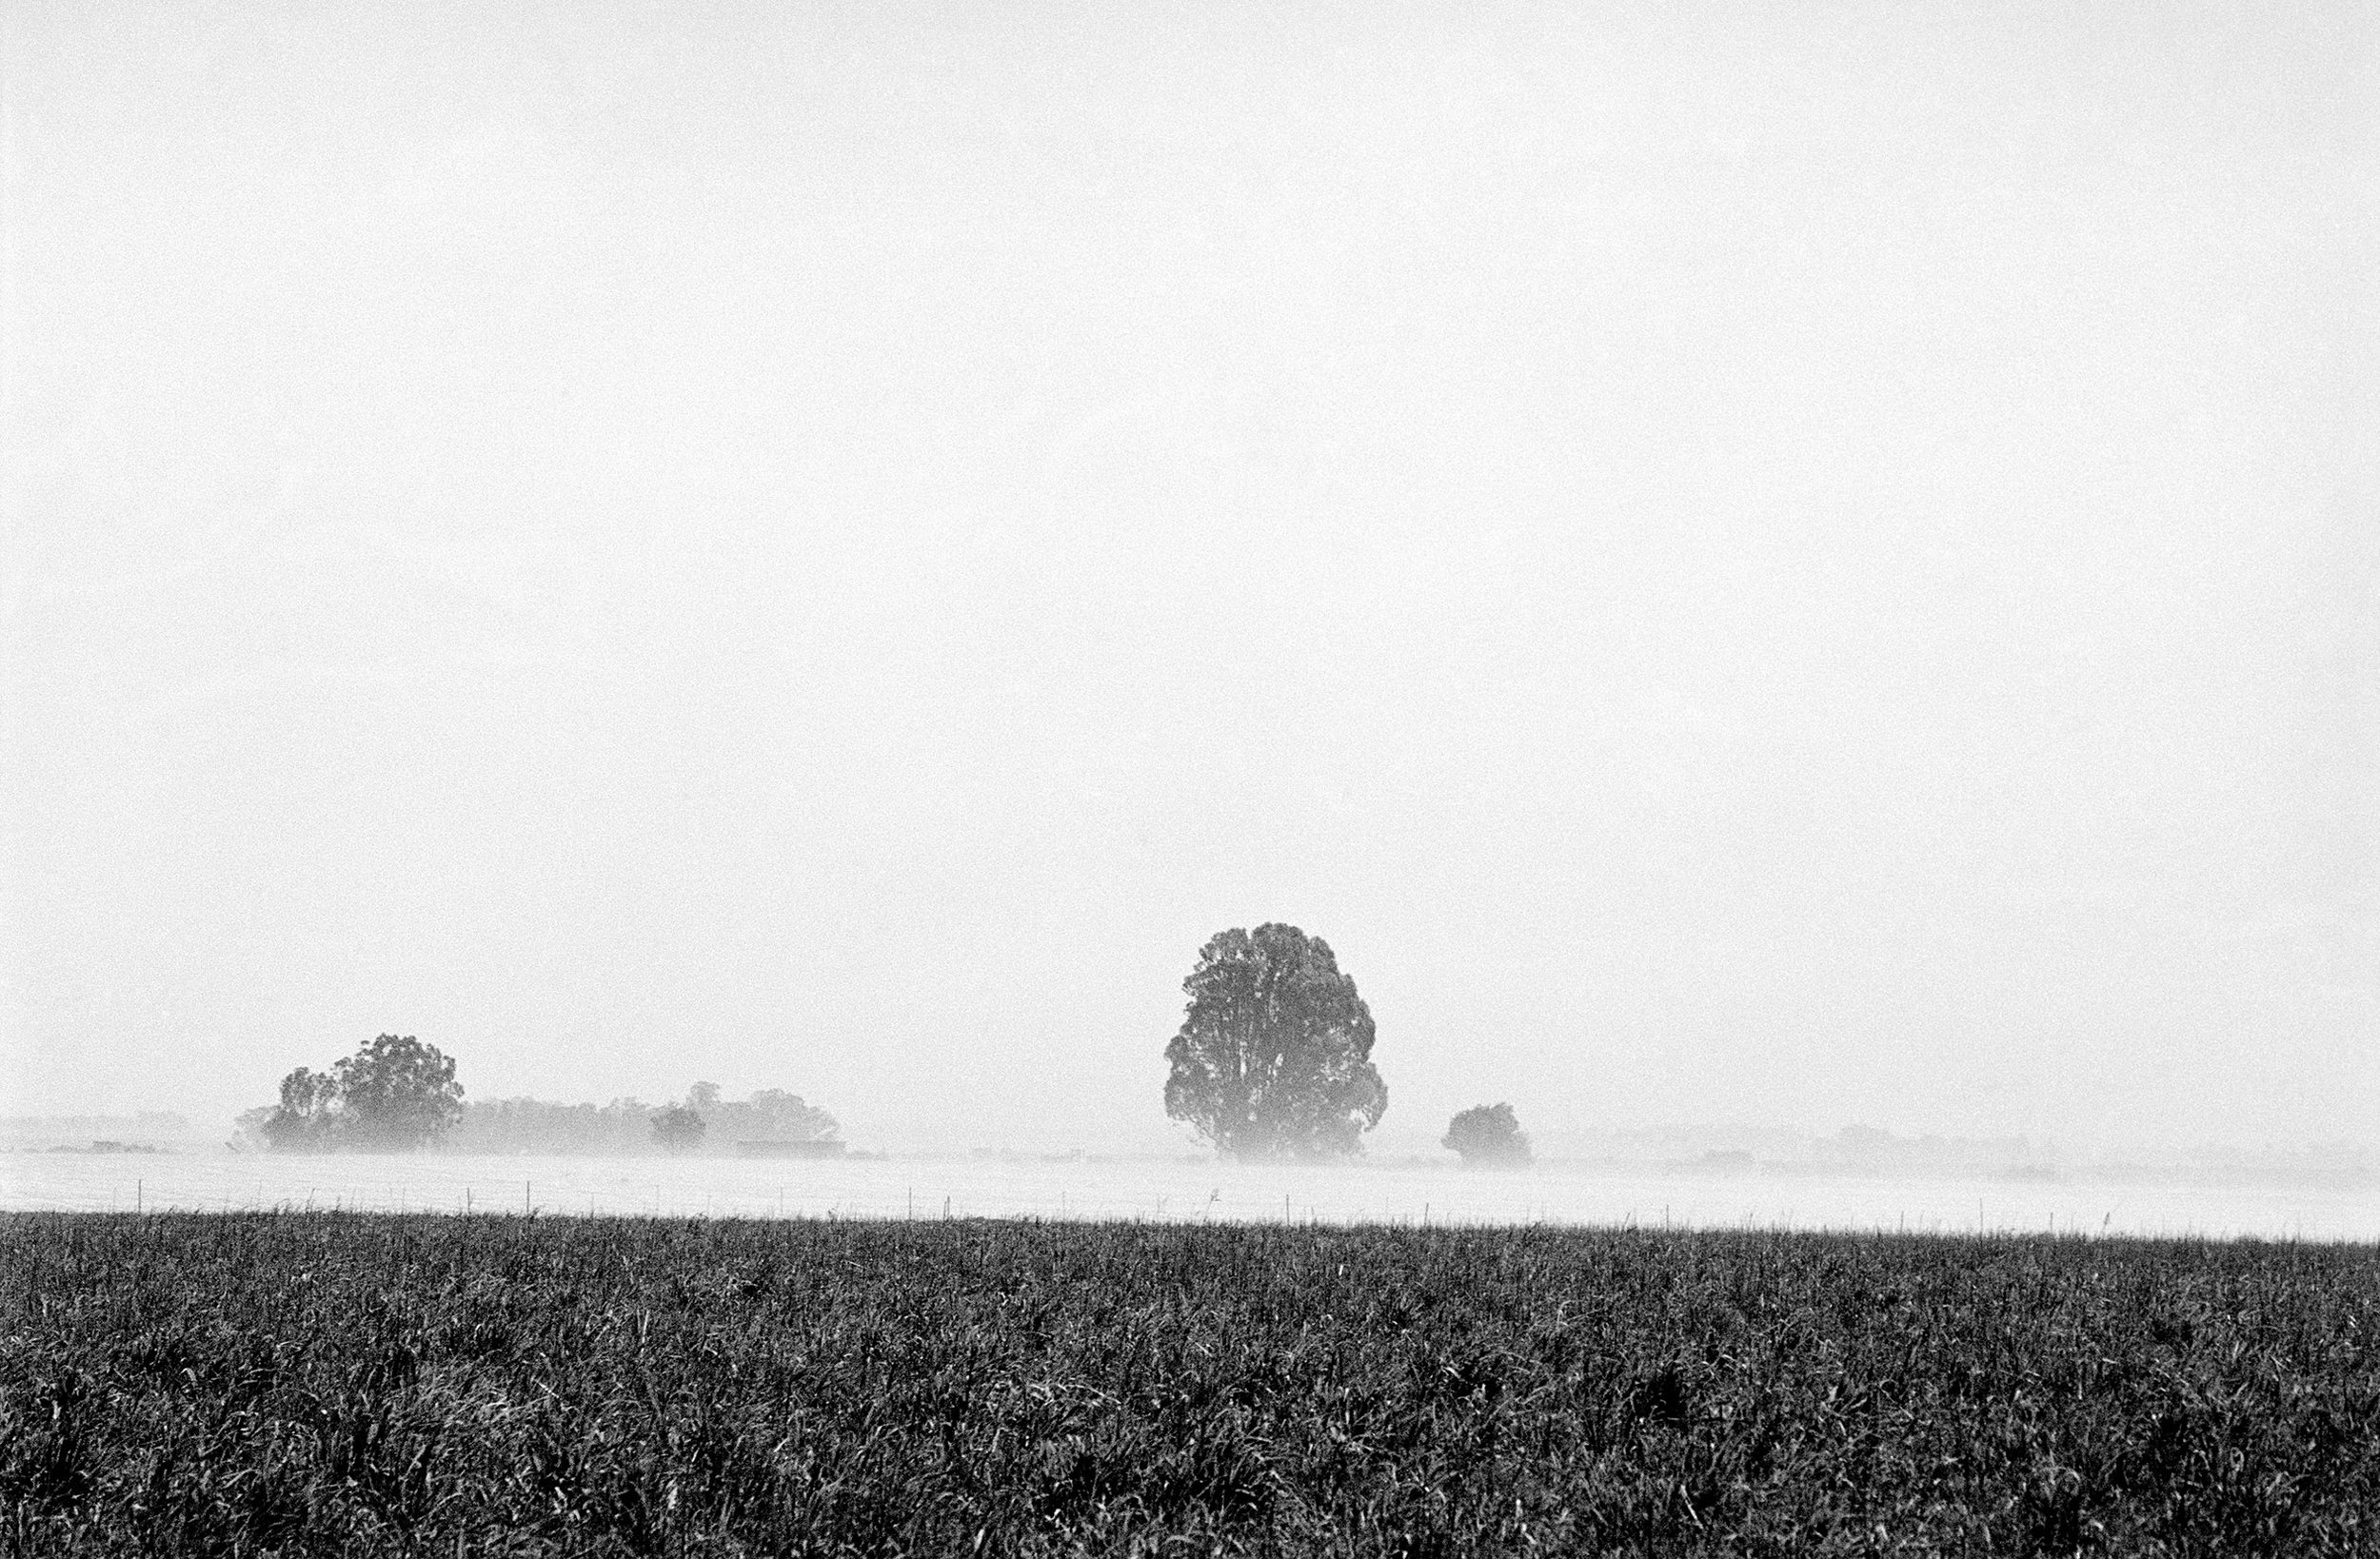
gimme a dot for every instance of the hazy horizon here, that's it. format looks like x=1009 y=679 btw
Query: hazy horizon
x=1792 y=564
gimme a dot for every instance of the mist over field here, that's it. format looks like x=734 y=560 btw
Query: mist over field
x=2209 y=1204
x=1752 y=570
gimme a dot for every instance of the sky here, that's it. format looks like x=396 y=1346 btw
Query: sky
x=1799 y=563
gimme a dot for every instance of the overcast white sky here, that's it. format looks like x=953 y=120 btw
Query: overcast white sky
x=1799 y=564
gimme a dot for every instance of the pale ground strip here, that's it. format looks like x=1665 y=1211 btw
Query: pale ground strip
x=1173 y=1190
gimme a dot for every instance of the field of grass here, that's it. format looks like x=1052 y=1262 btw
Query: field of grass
x=346 y=1384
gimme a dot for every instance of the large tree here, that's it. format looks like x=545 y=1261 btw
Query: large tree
x=398 y=1092
x=1273 y=1060
x=392 y=1095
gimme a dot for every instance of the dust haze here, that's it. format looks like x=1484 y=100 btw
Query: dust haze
x=1791 y=567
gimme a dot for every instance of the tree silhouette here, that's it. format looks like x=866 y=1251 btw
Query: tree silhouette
x=1273 y=1058
x=397 y=1093
x=678 y=1128
x=307 y=1119
x=393 y=1095
x=1488 y=1135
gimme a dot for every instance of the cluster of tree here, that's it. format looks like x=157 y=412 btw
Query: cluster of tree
x=392 y=1095
x=626 y=1127
x=771 y=1114
x=1274 y=1058
x=540 y=1126
x=399 y=1094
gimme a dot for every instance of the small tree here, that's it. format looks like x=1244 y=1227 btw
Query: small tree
x=678 y=1128
x=307 y=1119
x=1488 y=1136
x=1273 y=1058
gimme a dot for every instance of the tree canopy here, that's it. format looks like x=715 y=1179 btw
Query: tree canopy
x=678 y=1128
x=1274 y=1058
x=624 y=1128
x=307 y=1118
x=392 y=1095
x=1488 y=1134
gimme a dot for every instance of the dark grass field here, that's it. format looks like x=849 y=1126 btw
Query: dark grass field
x=354 y=1385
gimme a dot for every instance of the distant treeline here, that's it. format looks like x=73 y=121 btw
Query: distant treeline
x=398 y=1094
x=627 y=1126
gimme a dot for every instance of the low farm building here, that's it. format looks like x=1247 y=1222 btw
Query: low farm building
x=774 y=1148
